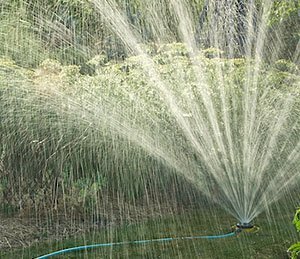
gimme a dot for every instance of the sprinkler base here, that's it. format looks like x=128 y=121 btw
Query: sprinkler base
x=245 y=227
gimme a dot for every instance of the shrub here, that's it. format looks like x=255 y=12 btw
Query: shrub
x=58 y=120
x=294 y=250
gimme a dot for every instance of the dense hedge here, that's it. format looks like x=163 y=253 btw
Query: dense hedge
x=74 y=31
x=69 y=139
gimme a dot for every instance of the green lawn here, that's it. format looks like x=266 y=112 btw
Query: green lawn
x=276 y=235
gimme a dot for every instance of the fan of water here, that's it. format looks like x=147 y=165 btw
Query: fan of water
x=196 y=91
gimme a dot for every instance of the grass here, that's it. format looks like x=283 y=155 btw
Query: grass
x=276 y=235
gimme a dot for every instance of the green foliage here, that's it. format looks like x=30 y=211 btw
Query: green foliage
x=67 y=123
x=73 y=32
x=282 y=10
x=294 y=249
x=286 y=66
x=284 y=26
x=212 y=53
x=296 y=220
x=83 y=192
x=51 y=66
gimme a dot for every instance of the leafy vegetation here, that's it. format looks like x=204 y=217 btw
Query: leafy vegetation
x=294 y=250
x=73 y=32
x=284 y=26
x=73 y=153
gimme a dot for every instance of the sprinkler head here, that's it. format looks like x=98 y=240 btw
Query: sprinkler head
x=246 y=227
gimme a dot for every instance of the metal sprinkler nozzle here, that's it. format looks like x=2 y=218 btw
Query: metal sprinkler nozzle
x=244 y=225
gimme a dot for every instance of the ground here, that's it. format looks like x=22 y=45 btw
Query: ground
x=276 y=235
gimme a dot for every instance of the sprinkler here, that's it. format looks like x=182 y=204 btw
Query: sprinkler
x=246 y=227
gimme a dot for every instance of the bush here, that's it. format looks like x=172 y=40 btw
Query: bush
x=286 y=66
x=294 y=250
x=115 y=132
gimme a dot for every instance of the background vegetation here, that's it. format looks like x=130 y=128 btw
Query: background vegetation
x=295 y=248
x=60 y=153
x=73 y=32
